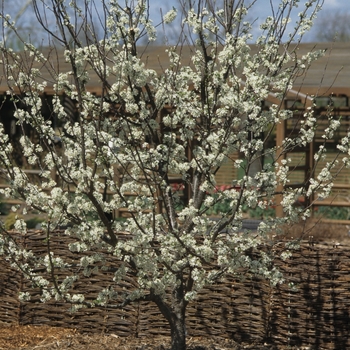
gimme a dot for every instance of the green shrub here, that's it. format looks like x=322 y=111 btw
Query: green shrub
x=335 y=213
x=33 y=222
x=4 y=210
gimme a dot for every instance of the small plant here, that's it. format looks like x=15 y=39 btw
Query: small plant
x=10 y=220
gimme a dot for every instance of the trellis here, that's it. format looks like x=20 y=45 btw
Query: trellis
x=303 y=164
x=321 y=79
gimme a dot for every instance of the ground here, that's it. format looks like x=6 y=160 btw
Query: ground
x=47 y=338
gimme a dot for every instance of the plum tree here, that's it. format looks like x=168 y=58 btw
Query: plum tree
x=122 y=144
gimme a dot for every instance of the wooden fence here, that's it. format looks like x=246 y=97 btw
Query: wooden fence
x=311 y=309
x=339 y=199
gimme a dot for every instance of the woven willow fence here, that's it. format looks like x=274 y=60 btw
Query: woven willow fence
x=311 y=309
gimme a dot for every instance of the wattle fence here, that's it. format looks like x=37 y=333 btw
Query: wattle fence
x=311 y=309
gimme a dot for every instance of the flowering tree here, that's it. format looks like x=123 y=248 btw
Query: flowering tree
x=121 y=146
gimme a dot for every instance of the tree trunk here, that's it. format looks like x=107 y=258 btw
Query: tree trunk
x=178 y=331
x=175 y=312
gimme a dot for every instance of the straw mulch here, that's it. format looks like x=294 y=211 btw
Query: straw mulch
x=47 y=338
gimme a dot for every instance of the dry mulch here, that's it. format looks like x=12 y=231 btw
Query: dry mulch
x=45 y=338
